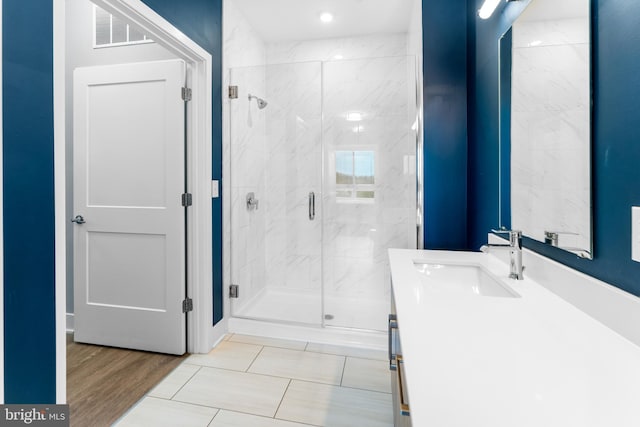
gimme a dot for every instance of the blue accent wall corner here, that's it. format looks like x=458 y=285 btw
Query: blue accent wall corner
x=444 y=24
x=201 y=20
x=29 y=287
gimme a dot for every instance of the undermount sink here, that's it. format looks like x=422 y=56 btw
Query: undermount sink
x=463 y=280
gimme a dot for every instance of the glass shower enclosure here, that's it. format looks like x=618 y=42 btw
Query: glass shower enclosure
x=323 y=182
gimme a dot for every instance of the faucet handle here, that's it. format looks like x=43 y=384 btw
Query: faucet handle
x=509 y=232
x=515 y=237
x=568 y=233
x=505 y=231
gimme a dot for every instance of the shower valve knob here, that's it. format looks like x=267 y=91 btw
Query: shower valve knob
x=252 y=202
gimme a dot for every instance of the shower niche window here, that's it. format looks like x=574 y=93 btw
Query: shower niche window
x=355 y=176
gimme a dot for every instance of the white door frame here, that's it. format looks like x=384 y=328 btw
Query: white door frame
x=1 y=229
x=201 y=335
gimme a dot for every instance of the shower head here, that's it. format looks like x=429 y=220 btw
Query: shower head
x=261 y=102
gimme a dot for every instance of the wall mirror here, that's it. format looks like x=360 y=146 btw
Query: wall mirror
x=545 y=125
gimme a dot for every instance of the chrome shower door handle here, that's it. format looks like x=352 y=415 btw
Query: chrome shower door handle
x=312 y=206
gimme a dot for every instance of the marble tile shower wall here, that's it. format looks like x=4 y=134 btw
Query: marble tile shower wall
x=372 y=46
x=293 y=170
x=550 y=129
x=243 y=49
x=358 y=232
x=280 y=158
x=355 y=235
x=249 y=149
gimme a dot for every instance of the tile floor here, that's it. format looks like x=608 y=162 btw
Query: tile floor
x=251 y=381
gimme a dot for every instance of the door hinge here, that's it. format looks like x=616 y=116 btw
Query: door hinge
x=233 y=291
x=187 y=199
x=233 y=92
x=187 y=305
x=186 y=94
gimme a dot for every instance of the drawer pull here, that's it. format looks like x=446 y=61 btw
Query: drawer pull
x=404 y=405
x=393 y=325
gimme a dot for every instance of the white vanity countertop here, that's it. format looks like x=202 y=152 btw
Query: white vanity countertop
x=513 y=362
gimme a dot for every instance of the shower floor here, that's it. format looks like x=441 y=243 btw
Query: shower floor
x=285 y=306
x=347 y=312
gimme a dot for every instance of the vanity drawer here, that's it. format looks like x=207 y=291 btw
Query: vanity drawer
x=401 y=411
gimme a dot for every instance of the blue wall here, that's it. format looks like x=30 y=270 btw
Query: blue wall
x=484 y=147
x=616 y=151
x=29 y=289
x=201 y=20
x=444 y=24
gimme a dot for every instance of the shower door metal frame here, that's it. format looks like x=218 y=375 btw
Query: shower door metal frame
x=234 y=89
x=320 y=208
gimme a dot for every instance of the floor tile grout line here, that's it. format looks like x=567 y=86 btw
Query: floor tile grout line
x=235 y=411
x=318 y=353
x=303 y=352
x=185 y=383
x=254 y=360
x=344 y=368
x=339 y=386
x=137 y=404
x=186 y=402
x=346 y=355
x=306 y=349
x=343 y=355
x=365 y=389
x=214 y=417
x=268 y=375
x=282 y=398
x=273 y=345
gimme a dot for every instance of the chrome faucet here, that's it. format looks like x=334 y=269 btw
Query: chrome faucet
x=515 y=252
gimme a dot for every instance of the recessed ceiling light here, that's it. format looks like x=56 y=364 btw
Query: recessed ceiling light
x=326 y=17
x=338 y=57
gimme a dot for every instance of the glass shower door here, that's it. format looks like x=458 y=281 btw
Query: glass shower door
x=276 y=160
x=369 y=202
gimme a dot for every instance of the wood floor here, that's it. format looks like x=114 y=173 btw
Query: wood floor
x=103 y=382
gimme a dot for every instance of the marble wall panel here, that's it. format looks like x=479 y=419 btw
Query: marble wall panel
x=292 y=171
x=372 y=46
x=244 y=146
x=357 y=233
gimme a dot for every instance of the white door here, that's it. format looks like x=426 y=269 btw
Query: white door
x=129 y=153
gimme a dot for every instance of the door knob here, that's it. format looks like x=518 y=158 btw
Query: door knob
x=78 y=219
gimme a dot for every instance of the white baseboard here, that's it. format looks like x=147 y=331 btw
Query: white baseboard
x=218 y=332
x=70 y=323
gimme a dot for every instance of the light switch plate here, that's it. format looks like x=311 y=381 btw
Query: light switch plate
x=635 y=233
x=215 y=189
